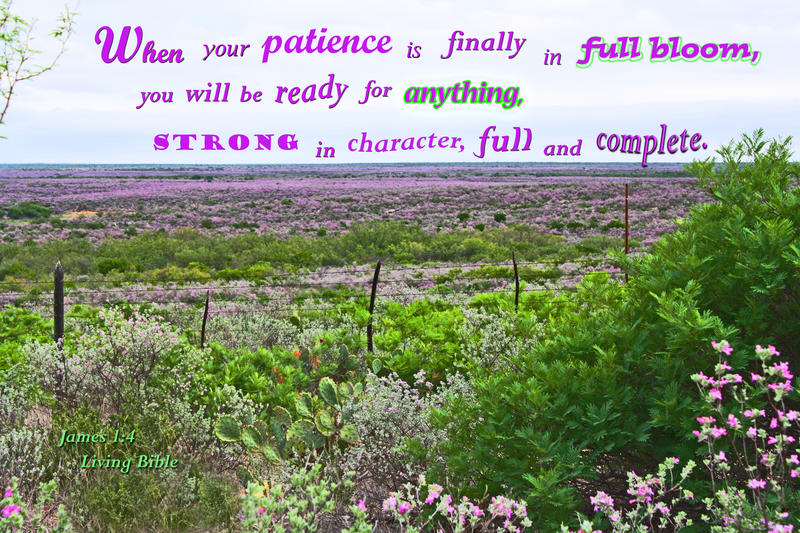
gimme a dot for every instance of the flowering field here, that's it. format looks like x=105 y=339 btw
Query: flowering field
x=114 y=202
x=454 y=404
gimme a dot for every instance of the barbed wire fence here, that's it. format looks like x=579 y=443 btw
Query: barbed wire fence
x=286 y=295
x=282 y=296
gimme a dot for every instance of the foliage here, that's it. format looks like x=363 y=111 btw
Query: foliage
x=437 y=510
x=320 y=423
x=16 y=516
x=297 y=505
x=28 y=210
x=759 y=457
x=111 y=364
x=253 y=256
x=742 y=251
x=398 y=441
x=16 y=52
x=18 y=327
x=608 y=385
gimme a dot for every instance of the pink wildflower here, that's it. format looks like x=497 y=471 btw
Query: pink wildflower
x=783 y=368
x=390 y=503
x=10 y=510
x=718 y=432
x=757 y=484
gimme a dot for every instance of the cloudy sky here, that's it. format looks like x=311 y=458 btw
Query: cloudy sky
x=85 y=111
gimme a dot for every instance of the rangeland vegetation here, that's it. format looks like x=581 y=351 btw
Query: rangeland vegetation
x=589 y=403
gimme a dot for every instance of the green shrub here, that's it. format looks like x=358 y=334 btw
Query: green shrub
x=610 y=384
x=18 y=327
x=107 y=264
x=613 y=224
x=28 y=210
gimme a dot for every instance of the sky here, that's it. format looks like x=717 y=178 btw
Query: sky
x=85 y=110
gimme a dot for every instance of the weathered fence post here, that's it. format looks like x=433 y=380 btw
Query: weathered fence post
x=516 y=282
x=58 y=304
x=372 y=305
x=205 y=317
x=626 y=227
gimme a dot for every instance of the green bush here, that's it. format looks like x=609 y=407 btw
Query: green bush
x=609 y=388
x=613 y=224
x=107 y=264
x=28 y=210
x=17 y=327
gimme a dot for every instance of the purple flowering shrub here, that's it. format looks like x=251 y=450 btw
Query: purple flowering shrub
x=752 y=456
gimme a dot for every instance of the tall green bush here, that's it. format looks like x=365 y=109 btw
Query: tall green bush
x=609 y=389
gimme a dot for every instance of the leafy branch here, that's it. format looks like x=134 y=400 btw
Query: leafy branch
x=16 y=54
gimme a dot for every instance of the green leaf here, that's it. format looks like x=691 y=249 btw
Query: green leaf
x=304 y=431
x=251 y=437
x=270 y=453
x=261 y=426
x=324 y=423
x=348 y=434
x=227 y=429
x=327 y=389
x=303 y=405
x=345 y=390
x=299 y=429
x=377 y=366
x=280 y=422
x=358 y=389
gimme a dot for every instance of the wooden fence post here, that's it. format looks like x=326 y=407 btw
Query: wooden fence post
x=205 y=317
x=516 y=282
x=372 y=305
x=58 y=304
x=626 y=227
